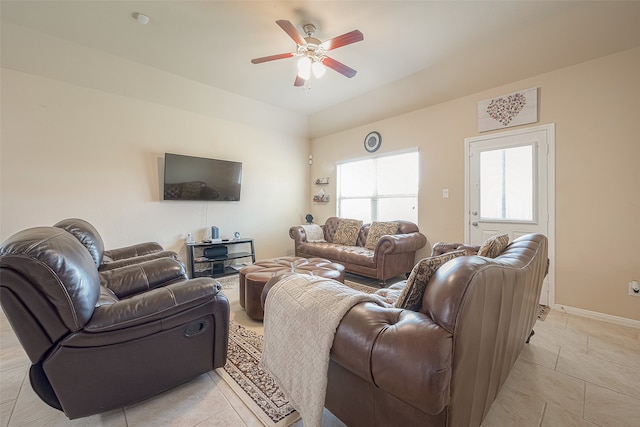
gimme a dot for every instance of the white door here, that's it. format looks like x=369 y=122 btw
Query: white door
x=510 y=188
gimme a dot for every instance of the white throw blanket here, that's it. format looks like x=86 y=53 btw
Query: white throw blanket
x=301 y=316
x=314 y=233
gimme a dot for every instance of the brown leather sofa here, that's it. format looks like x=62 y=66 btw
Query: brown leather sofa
x=102 y=340
x=442 y=365
x=394 y=254
x=113 y=258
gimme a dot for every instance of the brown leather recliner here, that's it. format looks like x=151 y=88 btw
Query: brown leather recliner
x=113 y=258
x=100 y=341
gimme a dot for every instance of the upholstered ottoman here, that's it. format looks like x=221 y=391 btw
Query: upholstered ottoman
x=253 y=277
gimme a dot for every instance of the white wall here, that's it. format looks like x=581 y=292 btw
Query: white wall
x=71 y=151
x=597 y=115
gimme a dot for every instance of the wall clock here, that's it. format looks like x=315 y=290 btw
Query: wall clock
x=372 y=142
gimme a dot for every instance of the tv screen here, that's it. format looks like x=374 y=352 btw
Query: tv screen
x=199 y=178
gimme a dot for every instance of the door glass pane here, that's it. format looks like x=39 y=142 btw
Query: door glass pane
x=506 y=184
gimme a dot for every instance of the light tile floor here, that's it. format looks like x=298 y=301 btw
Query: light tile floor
x=575 y=372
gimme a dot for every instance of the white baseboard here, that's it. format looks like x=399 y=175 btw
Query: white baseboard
x=598 y=316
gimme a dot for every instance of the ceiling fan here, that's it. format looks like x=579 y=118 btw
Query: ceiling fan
x=312 y=52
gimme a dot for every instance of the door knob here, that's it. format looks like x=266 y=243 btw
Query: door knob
x=474 y=213
x=474 y=223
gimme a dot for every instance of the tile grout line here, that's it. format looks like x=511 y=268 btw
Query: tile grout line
x=226 y=398
x=584 y=400
x=544 y=411
x=15 y=402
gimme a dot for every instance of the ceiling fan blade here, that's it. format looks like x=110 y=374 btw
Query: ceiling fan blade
x=299 y=81
x=271 y=58
x=339 y=67
x=343 y=40
x=291 y=30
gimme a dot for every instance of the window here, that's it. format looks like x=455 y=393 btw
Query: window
x=382 y=188
x=506 y=184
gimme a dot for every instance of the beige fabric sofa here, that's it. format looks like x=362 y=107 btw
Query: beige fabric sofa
x=393 y=254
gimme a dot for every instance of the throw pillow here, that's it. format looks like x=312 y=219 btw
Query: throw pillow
x=411 y=296
x=493 y=246
x=347 y=232
x=314 y=233
x=377 y=230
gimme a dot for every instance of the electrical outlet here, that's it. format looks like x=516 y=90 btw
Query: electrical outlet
x=634 y=288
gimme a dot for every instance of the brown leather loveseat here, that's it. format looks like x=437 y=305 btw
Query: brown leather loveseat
x=443 y=364
x=391 y=255
x=102 y=340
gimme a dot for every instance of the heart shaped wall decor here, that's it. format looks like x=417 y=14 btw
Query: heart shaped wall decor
x=504 y=110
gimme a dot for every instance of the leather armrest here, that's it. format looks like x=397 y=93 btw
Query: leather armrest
x=108 y=264
x=136 y=278
x=298 y=234
x=154 y=305
x=443 y=248
x=470 y=249
x=398 y=243
x=403 y=352
x=134 y=250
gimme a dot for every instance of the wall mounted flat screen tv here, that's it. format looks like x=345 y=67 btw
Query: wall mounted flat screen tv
x=199 y=178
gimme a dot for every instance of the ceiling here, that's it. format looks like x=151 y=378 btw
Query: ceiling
x=414 y=53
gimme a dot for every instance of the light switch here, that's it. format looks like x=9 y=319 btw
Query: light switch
x=445 y=193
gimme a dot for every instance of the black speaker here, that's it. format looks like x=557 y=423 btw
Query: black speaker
x=217 y=268
x=215 y=251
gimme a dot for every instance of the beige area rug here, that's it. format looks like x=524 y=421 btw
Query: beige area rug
x=251 y=384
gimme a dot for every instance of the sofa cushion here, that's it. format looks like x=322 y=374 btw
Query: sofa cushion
x=347 y=232
x=493 y=246
x=357 y=255
x=411 y=296
x=377 y=230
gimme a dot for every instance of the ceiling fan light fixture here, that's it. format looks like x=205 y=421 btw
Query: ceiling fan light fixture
x=312 y=52
x=304 y=68
x=318 y=69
